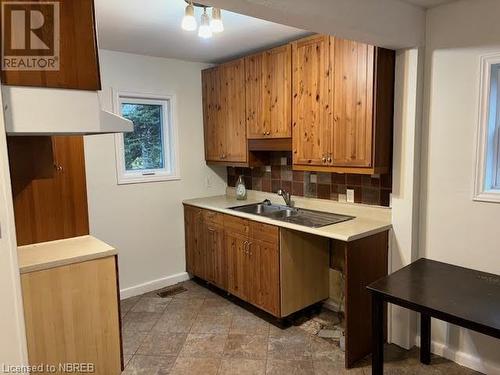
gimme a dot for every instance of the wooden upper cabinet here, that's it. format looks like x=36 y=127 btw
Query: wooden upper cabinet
x=343 y=98
x=268 y=93
x=312 y=100
x=233 y=111
x=77 y=57
x=52 y=204
x=353 y=104
x=224 y=113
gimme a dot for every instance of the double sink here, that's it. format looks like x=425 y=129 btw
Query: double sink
x=299 y=216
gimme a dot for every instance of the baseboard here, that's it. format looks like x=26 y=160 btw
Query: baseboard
x=460 y=357
x=149 y=286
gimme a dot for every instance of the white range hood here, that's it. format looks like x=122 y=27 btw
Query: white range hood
x=46 y=111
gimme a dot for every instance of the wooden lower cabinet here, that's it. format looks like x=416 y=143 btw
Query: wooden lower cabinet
x=72 y=315
x=245 y=258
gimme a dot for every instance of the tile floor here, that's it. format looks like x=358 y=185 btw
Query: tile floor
x=200 y=332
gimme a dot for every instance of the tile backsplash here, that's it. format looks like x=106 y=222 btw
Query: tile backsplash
x=373 y=190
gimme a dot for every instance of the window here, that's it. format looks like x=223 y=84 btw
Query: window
x=149 y=152
x=487 y=183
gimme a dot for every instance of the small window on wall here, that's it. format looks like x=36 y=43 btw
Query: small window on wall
x=149 y=152
x=487 y=181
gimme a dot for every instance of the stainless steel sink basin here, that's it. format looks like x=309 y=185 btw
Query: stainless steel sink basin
x=299 y=216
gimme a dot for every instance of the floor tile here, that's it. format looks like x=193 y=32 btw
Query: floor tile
x=329 y=367
x=132 y=340
x=216 y=306
x=126 y=358
x=162 y=343
x=149 y=365
x=188 y=306
x=238 y=366
x=140 y=321
x=195 y=366
x=289 y=367
x=246 y=346
x=149 y=304
x=177 y=323
x=290 y=345
x=127 y=304
x=204 y=345
x=249 y=325
x=212 y=324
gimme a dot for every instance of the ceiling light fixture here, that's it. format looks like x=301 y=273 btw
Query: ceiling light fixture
x=189 y=22
x=216 y=21
x=204 y=31
x=208 y=25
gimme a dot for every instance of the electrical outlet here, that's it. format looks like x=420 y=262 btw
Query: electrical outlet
x=268 y=168
x=208 y=182
x=313 y=178
x=350 y=195
x=283 y=161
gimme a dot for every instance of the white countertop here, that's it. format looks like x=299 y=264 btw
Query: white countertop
x=368 y=220
x=52 y=254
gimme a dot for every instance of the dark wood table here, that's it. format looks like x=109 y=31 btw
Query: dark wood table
x=461 y=296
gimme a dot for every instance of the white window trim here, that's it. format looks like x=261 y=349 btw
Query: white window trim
x=486 y=148
x=171 y=140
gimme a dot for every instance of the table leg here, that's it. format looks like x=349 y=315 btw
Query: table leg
x=377 y=335
x=425 y=338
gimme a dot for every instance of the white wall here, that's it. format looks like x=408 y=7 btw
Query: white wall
x=454 y=228
x=12 y=336
x=145 y=221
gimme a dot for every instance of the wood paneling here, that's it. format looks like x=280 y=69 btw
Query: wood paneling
x=268 y=93
x=224 y=113
x=213 y=129
x=233 y=110
x=312 y=100
x=54 y=206
x=304 y=270
x=371 y=250
x=79 y=63
x=235 y=250
x=353 y=104
x=71 y=315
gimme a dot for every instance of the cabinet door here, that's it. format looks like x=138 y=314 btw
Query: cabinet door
x=278 y=91
x=52 y=206
x=212 y=120
x=266 y=261
x=312 y=100
x=353 y=104
x=236 y=246
x=232 y=111
x=200 y=263
x=190 y=238
x=255 y=67
x=215 y=257
x=268 y=93
x=77 y=57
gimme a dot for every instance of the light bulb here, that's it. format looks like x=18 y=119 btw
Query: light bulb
x=216 y=22
x=189 y=22
x=204 y=31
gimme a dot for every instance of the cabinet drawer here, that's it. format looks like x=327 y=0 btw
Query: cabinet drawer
x=237 y=225
x=265 y=232
x=212 y=217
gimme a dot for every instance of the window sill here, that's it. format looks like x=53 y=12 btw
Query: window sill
x=492 y=196
x=122 y=180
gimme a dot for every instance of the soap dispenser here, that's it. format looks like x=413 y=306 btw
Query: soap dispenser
x=241 y=190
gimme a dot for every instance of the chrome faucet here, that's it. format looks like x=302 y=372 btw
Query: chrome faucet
x=287 y=197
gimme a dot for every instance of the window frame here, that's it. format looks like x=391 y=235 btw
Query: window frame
x=171 y=171
x=487 y=166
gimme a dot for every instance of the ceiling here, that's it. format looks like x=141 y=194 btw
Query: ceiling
x=154 y=30
x=428 y=3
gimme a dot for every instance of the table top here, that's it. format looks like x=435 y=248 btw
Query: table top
x=459 y=295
